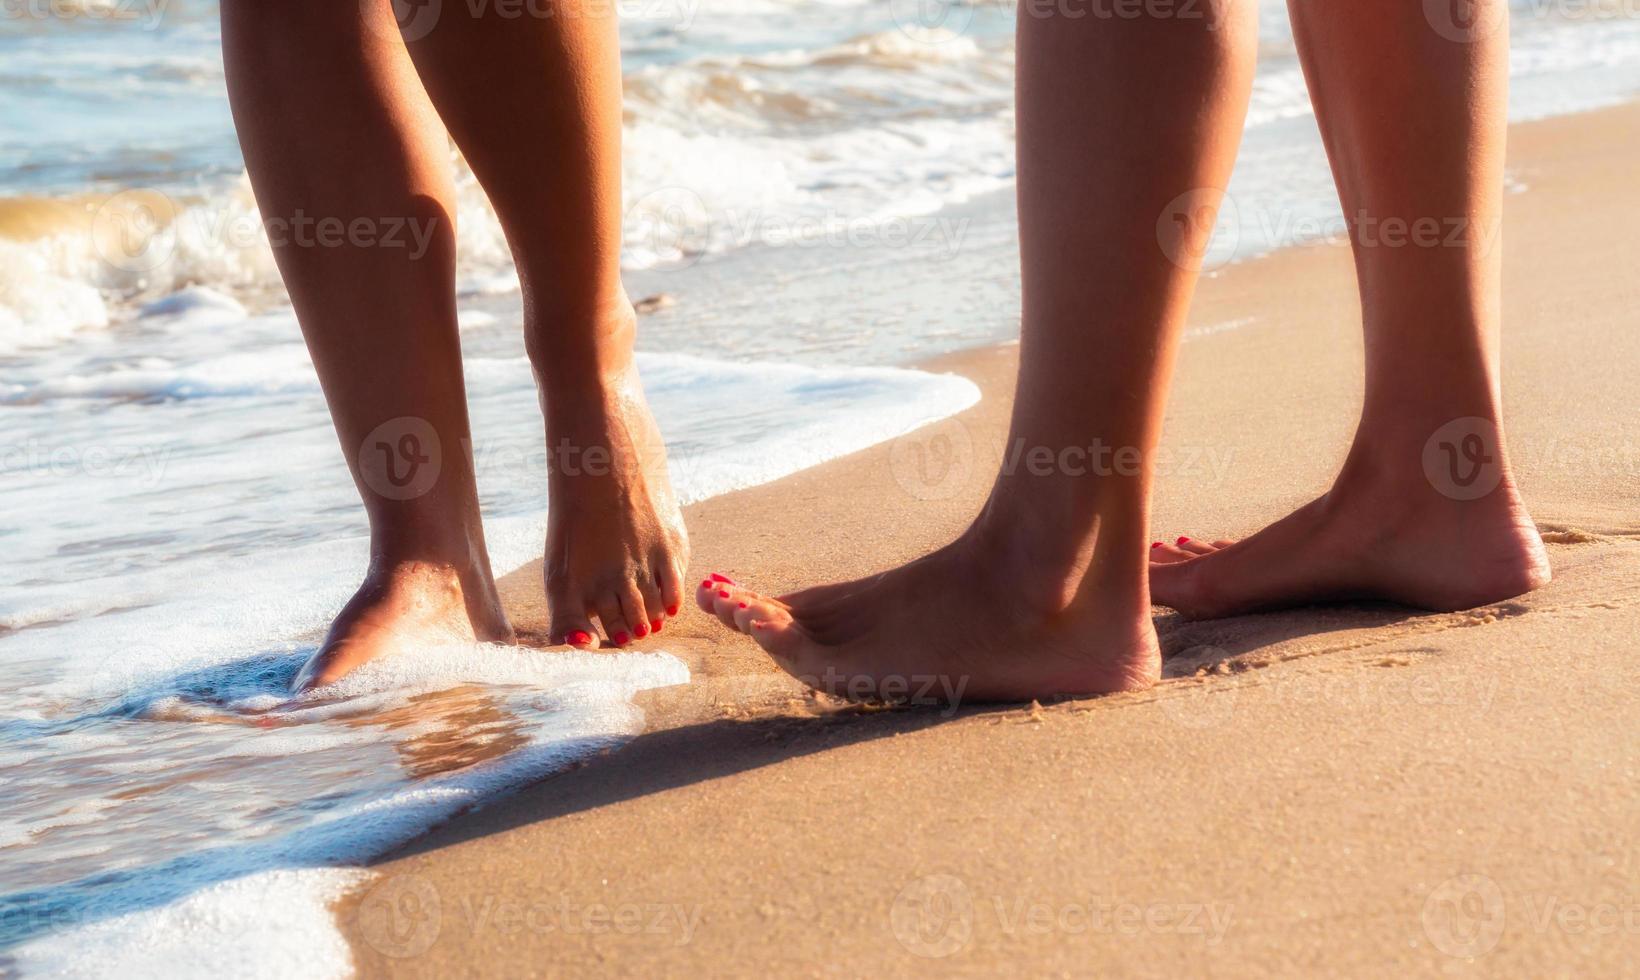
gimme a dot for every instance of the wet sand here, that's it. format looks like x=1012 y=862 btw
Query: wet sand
x=1343 y=790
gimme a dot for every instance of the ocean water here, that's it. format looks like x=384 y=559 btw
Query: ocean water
x=176 y=525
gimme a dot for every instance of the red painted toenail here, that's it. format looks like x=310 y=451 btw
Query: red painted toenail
x=655 y=626
x=706 y=583
x=1155 y=544
x=743 y=605
x=722 y=578
x=641 y=629
x=1182 y=541
x=621 y=637
x=671 y=611
x=723 y=593
x=580 y=636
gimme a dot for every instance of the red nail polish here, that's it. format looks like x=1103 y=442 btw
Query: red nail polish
x=621 y=638
x=723 y=593
x=641 y=629
x=672 y=610
x=655 y=627
x=1155 y=544
x=706 y=583
x=722 y=578
x=1182 y=541
x=580 y=636
x=743 y=605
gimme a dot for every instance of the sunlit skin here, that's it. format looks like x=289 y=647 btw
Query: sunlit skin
x=1050 y=589
x=339 y=117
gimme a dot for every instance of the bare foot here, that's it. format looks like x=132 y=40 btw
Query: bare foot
x=616 y=545
x=1370 y=537
x=969 y=622
x=403 y=605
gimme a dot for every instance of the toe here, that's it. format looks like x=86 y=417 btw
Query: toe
x=736 y=606
x=669 y=580
x=616 y=627
x=1166 y=553
x=1193 y=547
x=780 y=636
x=571 y=626
x=568 y=622
x=706 y=595
x=726 y=597
x=654 y=606
x=634 y=609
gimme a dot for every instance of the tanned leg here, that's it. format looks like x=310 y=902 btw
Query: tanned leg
x=534 y=102
x=1119 y=120
x=343 y=147
x=1425 y=510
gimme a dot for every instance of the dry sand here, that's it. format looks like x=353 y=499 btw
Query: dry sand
x=1347 y=790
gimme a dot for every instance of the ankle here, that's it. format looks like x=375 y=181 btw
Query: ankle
x=579 y=348
x=401 y=552
x=1411 y=465
x=1054 y=546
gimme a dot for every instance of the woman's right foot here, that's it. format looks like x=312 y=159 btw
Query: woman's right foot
x=972 y=621
x=616 y=549
x=404 y=605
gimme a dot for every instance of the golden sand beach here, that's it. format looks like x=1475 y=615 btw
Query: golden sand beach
x=1349 y=790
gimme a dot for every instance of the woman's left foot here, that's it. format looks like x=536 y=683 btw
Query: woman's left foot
x=1371 y=537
